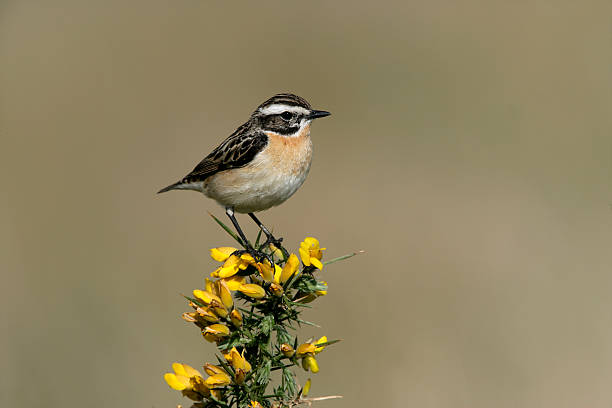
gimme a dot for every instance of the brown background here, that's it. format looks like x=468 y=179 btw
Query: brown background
x=468 y=153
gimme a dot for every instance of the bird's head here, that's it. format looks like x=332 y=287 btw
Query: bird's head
x=286 y=114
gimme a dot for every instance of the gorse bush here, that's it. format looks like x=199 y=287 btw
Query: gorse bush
x=250 y=308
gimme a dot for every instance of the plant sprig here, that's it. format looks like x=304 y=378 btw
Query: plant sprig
x=250 y=310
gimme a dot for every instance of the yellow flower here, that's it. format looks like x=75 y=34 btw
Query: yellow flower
x=233 y=264
x=189 y=317
x=222 y=253
x=209 y=285
x=276 y=252
x=320 y=344
x=178 y=382
x=306 y=388
x=322 y=292
x=185 y=370
x=307 y=352
x=215 y=332
x=218 y=308
x=277 y=275
x=312 y=296
x=287 y=350
x=205 y=296
x=218 y=380
x=213 y=369
x=255 y=404
x=229 y=268
x=239 y=377
x=267 y=271
x=238 y=361
x=309 y=363
x=276 y=289
x=234 y=282
x=224 y=293
x=306 y=348
x=290 y=268
x=218 y=297
x=207 y=315
x=188 y=380
x=252 y=290
x=236 y=318
x=311 y=253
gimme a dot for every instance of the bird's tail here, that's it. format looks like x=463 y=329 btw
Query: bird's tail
x=170 y=187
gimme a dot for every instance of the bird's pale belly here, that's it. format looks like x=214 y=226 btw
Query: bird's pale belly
x=273 y=176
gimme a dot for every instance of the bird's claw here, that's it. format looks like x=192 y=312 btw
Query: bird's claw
x=258 y=256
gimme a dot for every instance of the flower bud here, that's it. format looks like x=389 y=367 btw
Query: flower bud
x=207 y=315
x=189 y=317
x=252 y=290
x=287 y=350
x=236 y=318
x=306 y=388
x=240 y=376
x=215 y=332
x=205 y=296
x=276 y=289
x=213 y=369
x=309 y=363
x=218 y=380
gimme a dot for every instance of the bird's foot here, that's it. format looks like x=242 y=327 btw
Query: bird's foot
x=275 y=244
x=257 y=255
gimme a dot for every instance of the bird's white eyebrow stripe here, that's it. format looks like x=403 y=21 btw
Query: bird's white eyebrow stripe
x=277 y=108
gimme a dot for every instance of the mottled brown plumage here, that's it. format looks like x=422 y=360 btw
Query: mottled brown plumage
x=263 y=162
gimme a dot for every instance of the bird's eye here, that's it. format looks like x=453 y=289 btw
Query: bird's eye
x=286 y=115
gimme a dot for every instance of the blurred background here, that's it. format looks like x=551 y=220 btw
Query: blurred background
x=469 y=155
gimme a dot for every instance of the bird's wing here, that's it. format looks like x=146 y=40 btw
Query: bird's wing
x=236 y=151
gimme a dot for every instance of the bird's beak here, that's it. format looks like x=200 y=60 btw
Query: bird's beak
x=314 y=114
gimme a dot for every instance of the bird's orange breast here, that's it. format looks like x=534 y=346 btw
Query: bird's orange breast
x=290 y=155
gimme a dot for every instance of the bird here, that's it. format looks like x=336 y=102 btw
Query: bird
x=260 y=165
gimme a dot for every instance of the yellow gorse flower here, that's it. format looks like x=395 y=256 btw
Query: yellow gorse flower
x=237 y=360
x=306 y=388
x=252 y=290
x=312 y=296
x=273 y=282
x=287 y=350
x=239 y=363
x=188 y=380
x=291 y=267
x=215 y=332
x=218 y=380
x=222 y=253
x=236 y=318
x=234 y=282
x=278 y=275
x=307 y=351
x=276 y=289
x=310 y=363
x=205 y=296
x=232 y=264
x=310 y=252
x=213 y=369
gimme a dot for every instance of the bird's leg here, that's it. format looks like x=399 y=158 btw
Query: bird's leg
x=245 y=242
x=269 y=237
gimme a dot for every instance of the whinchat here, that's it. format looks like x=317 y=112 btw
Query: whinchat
x=261 y=164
